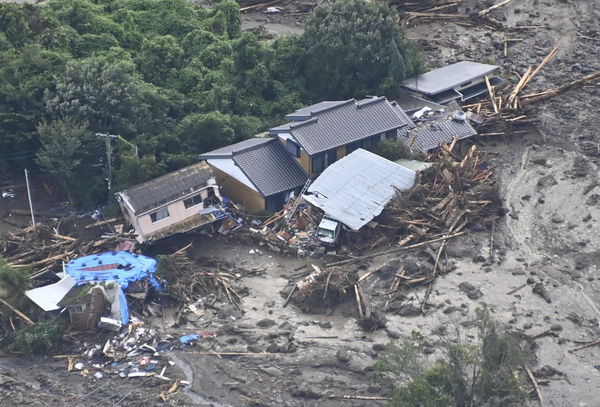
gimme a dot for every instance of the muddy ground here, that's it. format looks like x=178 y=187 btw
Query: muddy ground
x=549 y=183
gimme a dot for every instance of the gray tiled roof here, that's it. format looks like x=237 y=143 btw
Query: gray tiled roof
x=270 y=168
x=431 y=134
x=161 y=190
x=306 y=112
x=346 y=122
x=227 y=151
x=448 y=77
x=266 y=164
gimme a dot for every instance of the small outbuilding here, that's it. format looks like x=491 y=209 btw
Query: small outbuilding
x=460 y=81
x=356 y=188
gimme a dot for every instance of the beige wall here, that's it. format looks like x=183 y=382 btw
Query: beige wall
x=238 y=192
x=177 y=213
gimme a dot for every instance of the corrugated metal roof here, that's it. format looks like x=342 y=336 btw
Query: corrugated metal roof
x=448 y=77
x=161 y=190
x=344 y=122
x=433 y=133
x=355 y=189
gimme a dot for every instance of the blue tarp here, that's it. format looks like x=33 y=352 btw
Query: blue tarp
x=120 y=267
x=127 y=267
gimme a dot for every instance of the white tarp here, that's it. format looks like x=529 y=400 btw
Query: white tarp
x=356 y=189
x=48 y=296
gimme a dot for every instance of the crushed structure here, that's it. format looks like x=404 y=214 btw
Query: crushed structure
x=356 y=189
x=173 y=203
x=459 y=81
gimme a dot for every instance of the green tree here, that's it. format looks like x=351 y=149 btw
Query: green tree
x=160 y=59
x=229 y=12
x=60 y=152
x=104 y=92
x=14 y=23
x=348 y=49
x=467 y=375
x=24 y=74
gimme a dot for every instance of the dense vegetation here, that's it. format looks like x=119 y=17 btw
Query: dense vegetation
x=172 y=80
x=483 y=373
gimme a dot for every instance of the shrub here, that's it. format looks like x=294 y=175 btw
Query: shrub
x=39 y=339
x=467 y=375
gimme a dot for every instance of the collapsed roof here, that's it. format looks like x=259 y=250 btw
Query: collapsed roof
x=356 y=188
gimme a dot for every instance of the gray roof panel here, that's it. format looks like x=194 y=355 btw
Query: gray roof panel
x=431 y=134
x=270 y=168
x=227 y=151
x=161 y=190
x=347 y=122
x=356 y=188
x=448 y=77
x=306 y=112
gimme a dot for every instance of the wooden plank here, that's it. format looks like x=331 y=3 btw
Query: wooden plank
x=16 y=311
x=541 y=65
x=494 y=7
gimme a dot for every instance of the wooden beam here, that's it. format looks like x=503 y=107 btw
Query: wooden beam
x=16 y=311
x=494 y=7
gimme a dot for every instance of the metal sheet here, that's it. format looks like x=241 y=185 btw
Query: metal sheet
x=356 y=189
x=47 y=297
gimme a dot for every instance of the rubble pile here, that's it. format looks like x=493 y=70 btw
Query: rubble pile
x=323 y=288
x=189 y=283
x=291 y=231
x=40 y=248
x=134 y=352
x=445 y=199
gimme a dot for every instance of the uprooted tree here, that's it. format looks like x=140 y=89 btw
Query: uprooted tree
x=466 y=375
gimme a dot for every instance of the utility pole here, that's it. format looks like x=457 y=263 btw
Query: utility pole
x=107 y=138
x=29 y=196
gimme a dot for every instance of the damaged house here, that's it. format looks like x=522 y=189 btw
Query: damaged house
x=460 y=81
x=92 y=288
x=257 y=173
x=355 y=189
x=173 y=203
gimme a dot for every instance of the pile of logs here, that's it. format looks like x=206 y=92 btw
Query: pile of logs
x=445 y=199
x=40 y=248
x=188 y=281
x=504 y=107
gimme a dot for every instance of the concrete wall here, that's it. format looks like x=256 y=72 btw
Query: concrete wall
x=238 y=192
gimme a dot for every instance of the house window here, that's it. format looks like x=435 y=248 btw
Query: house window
x=318 y=162
x=391 y=135
x=192 y=201
x=292 y=148
x=159 y=215
x=76 y=309
x=323 y=160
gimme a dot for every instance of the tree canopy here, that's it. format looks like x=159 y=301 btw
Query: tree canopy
x=357 y=47
x=172 y=78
